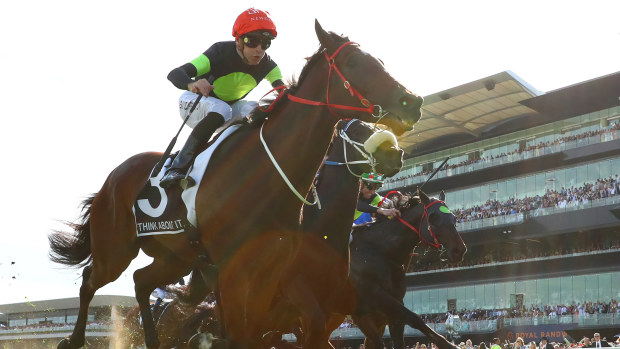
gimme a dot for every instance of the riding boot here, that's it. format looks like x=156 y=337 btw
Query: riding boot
x=200 y=134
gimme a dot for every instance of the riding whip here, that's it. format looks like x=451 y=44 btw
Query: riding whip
x=162 y=161
x=435 y=172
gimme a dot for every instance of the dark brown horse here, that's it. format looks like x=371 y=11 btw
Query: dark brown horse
x=176 y=324
x=379 y=256
x=252 y=248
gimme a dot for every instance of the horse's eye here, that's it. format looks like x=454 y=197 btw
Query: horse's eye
x=433 y=219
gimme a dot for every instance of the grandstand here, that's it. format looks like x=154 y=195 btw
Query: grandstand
x=533 y=179
x=42 y=324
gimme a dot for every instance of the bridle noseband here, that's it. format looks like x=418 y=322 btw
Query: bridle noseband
x=370 y=159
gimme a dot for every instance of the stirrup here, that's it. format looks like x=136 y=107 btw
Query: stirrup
x=187 y=182
x=183 y=179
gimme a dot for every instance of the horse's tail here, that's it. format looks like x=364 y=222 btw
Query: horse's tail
x=73 y=249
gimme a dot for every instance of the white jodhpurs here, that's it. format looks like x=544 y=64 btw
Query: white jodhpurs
x=231 y=113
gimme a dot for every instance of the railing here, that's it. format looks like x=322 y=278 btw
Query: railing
x=581 y=320
x=482 y=326
x=57 y=328
x=512 y=219
x=482 y=164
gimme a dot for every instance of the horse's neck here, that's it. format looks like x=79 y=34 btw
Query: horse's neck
x=302 y=134
x=394 y=236
x=337 y=191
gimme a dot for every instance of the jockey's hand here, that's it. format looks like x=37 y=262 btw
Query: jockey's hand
x=390 y=212
x=201 y=86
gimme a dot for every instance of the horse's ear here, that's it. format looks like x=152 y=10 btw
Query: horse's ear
x=442 y=196
x=424 y=197
x=321 y=34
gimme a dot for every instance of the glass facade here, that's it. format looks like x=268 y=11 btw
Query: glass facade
x=574 y=132
x=601 y=287
x=534 y=184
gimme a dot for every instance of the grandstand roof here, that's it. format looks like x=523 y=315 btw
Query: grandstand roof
x=500 y=104
x=66 y=303
x=581 y=98
x=470 y=109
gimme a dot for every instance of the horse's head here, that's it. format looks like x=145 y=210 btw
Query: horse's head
x=366 y=84
x=365 y=148
x=440 y=225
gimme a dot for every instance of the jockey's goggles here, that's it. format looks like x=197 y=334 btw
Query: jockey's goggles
x=373 y=186
x=252 y=41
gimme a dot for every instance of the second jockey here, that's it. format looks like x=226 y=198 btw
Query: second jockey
x=225 y=73
x=368 y=200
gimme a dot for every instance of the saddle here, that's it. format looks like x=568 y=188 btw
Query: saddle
x=172 y=210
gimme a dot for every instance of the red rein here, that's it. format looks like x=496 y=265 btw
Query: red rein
x=435 y=243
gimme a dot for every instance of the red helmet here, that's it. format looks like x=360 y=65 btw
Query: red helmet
x=254 y=20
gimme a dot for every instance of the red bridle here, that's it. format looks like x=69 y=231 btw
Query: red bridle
x=435 y=243
x=368 y=107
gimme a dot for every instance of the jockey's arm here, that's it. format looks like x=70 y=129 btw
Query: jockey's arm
x=364 y=206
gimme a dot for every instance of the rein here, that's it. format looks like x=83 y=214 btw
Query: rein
x=283 y=175
x=435 y=243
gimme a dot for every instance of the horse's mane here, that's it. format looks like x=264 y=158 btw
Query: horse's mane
x=413 y=201
x=257 y=116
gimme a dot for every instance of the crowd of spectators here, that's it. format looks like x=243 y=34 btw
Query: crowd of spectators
x=565 y=197
x=532 y=311
x=520 y=343
x=550 y=311
x=604 y=133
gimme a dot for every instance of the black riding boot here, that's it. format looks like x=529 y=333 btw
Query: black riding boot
x=201 y=133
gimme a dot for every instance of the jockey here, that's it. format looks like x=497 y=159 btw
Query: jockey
x=368 y=200
x=161 y=292
x=225 y=73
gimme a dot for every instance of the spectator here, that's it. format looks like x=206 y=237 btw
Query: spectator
x=519 y=344
x=598 y=342
x=544 y=344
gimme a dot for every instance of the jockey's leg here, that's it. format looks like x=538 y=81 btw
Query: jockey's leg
x=201 y=133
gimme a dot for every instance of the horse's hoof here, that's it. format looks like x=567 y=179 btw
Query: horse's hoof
x=206 y=341
x=66 y=344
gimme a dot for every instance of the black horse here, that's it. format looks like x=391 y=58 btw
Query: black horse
x=379 y=255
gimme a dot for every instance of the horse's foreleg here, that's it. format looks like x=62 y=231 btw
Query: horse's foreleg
x=371 y=330
x=298 y=293
x=394 y=309
x=249 y=282
x=158 y=273
x=397 y=333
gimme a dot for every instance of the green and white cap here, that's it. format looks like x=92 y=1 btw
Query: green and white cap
x=372 y=177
